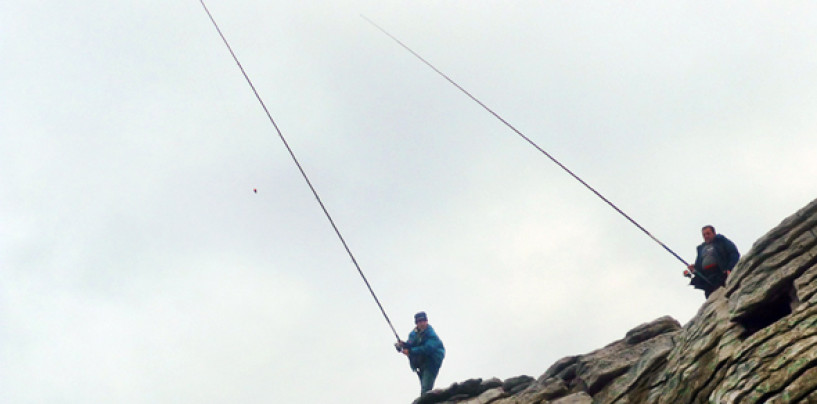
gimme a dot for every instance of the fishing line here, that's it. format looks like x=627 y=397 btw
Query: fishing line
x=527 y=139
x=303 y=173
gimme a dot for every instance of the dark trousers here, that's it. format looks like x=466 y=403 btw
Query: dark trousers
x=427 y=377
x=709 y=282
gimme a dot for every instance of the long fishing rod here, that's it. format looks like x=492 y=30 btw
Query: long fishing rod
x=303 y=173
x=527 y=139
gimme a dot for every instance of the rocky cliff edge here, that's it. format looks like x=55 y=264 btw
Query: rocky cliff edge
x=753 y=341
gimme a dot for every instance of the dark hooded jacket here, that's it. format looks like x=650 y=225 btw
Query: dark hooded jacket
x=726 y=254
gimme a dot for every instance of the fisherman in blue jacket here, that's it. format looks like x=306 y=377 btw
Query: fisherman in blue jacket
x=425 y=351
x=716 y=258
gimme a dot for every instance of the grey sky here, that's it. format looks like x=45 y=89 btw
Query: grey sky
x=137 y=265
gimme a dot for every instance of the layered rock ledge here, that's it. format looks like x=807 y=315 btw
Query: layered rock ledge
x=753 y=341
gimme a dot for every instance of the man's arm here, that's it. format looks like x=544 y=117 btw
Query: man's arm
x=431 y=344
x=695 y=266
x=732 y=254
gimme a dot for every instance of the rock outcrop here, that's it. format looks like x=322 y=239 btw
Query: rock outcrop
x=753 y=341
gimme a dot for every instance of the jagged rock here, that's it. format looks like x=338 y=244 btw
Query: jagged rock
x=516 y=384
x=455 y=398
x=549 y=387
x=575 y=398
x=487 y=396
x=652 y=329
x=508 y=400
x=635 y=381
x=433 y=396
x=470 y=387
x=490 y=384
x=753 y=341
x=653 y=342
x=564 y=368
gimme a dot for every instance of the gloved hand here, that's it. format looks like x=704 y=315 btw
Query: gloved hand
x=399 y=346
x=687 y=274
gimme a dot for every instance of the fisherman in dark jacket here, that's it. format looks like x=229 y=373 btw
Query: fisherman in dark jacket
x=716 y=258
x=425 y=351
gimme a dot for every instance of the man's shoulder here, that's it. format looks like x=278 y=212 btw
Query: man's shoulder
x=720 y=238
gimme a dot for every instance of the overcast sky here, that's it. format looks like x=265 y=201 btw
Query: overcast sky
x=137 y=265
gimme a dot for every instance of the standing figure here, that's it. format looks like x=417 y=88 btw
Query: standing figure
x=716 y=258
x=425 y=351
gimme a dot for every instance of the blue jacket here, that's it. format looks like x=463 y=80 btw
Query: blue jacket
x=426 y=350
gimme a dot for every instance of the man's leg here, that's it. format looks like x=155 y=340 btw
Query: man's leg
x=427 y=378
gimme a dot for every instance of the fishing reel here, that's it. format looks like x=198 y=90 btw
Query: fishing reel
x=400 y=346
